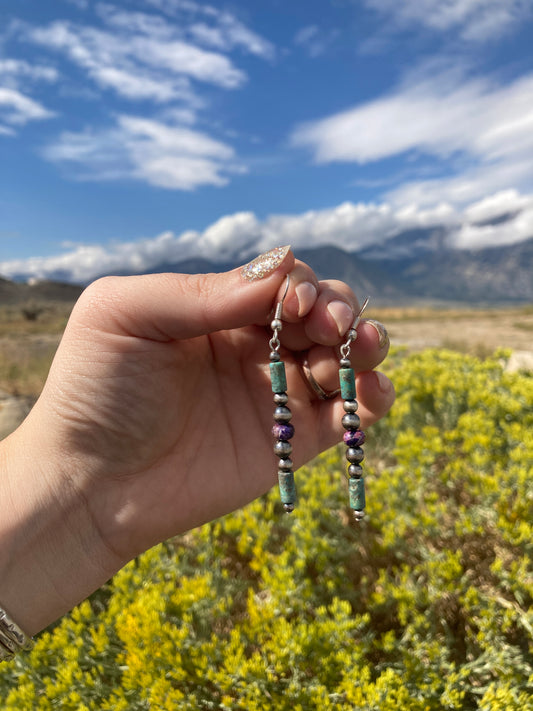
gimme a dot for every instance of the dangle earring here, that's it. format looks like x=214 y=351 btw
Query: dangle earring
x=283 y=431
x=353 y=436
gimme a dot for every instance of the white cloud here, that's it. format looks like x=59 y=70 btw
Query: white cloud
x=230 y=33
x=19 y=68
x=216 y=28
x=18 y=109
x=501 y=219
x=507 y=202
x=479 y=133
x=504 y=218
x=165 y=155
x=137 y=65
x=147 y=57
x=473 y=20
x=314 y=39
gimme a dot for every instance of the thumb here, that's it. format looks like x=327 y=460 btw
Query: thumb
x=178 y=306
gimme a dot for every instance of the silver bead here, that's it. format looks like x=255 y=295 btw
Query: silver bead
x=281 y=398
x=345 y=363
x=283 y=414
x=355 y=455
x=289 y=508
x=276 y=325
x=275 y=356
x=350 y=406
x=282 y=449
x=351 y=421
x=358 y=515
x=285 y=465
x=355 y=471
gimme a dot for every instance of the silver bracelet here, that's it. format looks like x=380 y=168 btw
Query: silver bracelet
x=12 y=638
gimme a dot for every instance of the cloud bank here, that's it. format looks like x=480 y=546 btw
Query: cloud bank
x=161 y=66
x=504 y=218
x=473 y=134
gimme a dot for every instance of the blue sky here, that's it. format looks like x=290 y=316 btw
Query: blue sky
x=137 y=131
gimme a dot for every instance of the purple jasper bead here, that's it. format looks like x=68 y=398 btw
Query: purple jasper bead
x=354 y=438
x=283 y=432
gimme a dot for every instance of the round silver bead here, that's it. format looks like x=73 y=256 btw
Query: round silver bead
x=355 y=471
x=355 y=455
x=351 y=421
x=282 y=449
x=276 y=325
x=350 y=406
x=289 y=508
x=283 y=414
x=345 y=363
x=281 y=398
x=358 y=515
x=285 y=465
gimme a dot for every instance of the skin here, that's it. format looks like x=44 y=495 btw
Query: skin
x=156 y=417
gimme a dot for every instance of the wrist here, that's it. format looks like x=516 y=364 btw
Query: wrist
x=51 y=554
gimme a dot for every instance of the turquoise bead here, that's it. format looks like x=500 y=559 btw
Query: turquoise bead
x=347 y=383
x=287 y=487
x=278 y=377
x=357 y=494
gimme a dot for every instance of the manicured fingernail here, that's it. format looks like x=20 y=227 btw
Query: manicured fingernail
x=384 y=384
x=382 y=332
x=306 y=294
x=263 y=265
x=342 y=314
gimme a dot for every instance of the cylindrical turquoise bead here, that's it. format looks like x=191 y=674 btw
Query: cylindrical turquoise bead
x=357 y=494
x=278 y=377
x=347 y=383
x=287 y=487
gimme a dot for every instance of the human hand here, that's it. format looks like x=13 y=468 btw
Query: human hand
x=157 y=412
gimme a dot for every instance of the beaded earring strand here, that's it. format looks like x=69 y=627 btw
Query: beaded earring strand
x=283 y=431
x=353 y=437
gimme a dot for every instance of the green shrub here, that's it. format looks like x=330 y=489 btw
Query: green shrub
x=425 y=605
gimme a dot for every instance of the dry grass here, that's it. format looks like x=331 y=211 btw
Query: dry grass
x=51 y=318
x=28 y=346
x=468 y=330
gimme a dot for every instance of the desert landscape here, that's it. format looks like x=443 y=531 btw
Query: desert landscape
x=30 y=332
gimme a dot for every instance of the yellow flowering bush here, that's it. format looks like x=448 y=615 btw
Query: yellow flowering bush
x=427 y=604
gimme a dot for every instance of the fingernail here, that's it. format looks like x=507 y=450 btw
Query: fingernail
x=342 y=314
x=384 y=384
x=382 y=332
x=263 y=265
x=306 y=294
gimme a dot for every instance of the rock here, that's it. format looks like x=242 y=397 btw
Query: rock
x=520 y=360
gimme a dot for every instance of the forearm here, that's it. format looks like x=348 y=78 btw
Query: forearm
x=51 y=555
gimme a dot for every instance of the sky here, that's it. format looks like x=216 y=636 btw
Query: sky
x=134 y=132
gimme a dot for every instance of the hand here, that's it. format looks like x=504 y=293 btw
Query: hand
x=157 y=415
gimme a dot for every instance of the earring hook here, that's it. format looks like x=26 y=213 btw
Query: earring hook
x=279 y=305
x=352 y=331
x=276 y=324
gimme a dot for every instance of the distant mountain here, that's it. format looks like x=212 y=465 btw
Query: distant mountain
x=491 y=275
x=410 y=267
x=415 y=265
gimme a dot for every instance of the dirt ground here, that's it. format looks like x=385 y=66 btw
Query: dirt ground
x=27 y=348
x=474 y=331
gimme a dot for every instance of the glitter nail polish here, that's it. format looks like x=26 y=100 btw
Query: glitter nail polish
x=263 y=265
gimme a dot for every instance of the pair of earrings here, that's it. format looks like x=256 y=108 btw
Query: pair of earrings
x=283 y=431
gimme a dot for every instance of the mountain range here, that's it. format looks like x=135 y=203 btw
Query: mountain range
x=416 y=265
